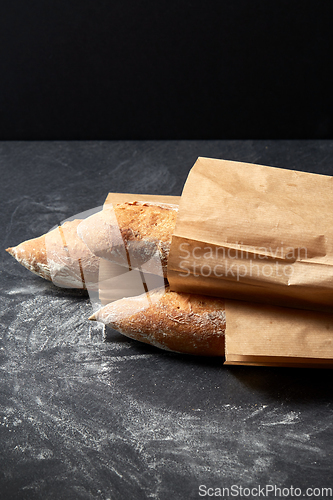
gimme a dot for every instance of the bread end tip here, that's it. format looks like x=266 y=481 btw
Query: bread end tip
x=92 y=317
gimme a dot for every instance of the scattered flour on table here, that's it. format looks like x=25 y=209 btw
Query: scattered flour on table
x=53 y=414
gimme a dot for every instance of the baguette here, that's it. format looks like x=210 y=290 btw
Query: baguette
x=179 y=322
x=137 y=235
x=59 y=256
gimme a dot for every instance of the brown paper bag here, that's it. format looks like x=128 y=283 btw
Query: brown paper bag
x=260 y=235
x=256 y=334
x=251 y=232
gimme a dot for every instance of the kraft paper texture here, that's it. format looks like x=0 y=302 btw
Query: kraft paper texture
x=263 y=237
x=251 y=232
x=258 y=334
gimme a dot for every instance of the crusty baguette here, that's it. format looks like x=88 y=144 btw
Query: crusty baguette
x=137 y=235
x=59 y=256
x=180 y=322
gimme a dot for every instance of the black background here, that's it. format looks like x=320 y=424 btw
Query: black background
x=135 y=69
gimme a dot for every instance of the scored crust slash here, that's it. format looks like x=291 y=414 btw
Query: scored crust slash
x=59 y=256
x=137 y=235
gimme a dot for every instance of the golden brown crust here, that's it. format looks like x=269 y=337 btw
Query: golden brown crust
x=32 y=255
x=151 y=222
x=136 y=235
x=188 y=323
x=59 y=256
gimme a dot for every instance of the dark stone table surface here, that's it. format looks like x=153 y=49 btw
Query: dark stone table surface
x=84 y=418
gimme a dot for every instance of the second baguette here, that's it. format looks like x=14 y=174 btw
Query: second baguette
x=179 y=322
